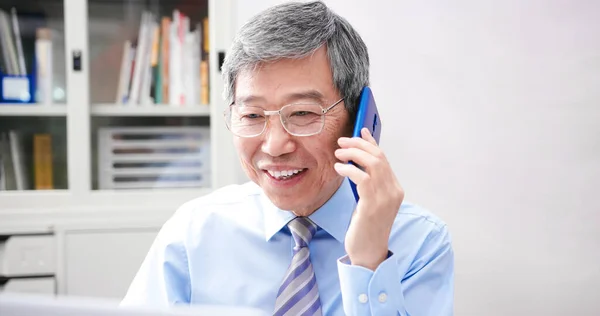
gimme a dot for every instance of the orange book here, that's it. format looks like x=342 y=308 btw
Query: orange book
x=205 y=36
x=165 y=27
x=154 y=51
x=204 y=92
x=42 y=161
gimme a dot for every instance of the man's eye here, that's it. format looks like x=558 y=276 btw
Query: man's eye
x=301 y=113
x=252 y=116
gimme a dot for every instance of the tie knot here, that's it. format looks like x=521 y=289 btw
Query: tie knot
x=303 y=230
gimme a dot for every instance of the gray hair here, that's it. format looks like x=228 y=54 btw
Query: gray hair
x=296 y=30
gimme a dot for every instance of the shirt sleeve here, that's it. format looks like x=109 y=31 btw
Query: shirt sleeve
x=163 y=278
x=425 y=290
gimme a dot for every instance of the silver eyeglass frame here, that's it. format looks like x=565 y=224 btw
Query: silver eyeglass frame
x=268 y=113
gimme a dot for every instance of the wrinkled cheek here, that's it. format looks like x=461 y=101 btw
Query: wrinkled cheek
x=248 y=166
x=245 y=156
x=327 y=171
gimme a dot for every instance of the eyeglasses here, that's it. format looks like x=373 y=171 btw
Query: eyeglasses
x=298 y=119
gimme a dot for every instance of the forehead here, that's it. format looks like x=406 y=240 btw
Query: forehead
x=286 y=80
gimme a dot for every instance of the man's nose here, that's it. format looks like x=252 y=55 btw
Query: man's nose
x=277 y=141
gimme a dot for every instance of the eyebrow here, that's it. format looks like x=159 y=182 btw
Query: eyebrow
x=301 y=95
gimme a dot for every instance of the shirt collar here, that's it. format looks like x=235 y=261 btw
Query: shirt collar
x=333 y=217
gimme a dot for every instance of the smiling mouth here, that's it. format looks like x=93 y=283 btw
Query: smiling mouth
x=284 y=174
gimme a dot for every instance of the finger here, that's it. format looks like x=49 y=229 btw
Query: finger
x=356 y=142
x=351 y=171
x=357 y=156
x=366 y=134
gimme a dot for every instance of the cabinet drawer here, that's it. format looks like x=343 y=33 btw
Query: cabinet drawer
x=27 y=256
x=30 y=285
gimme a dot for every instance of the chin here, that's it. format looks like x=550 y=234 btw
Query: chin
x=287 y=202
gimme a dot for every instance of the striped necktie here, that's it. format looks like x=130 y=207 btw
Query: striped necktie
x=299 y=294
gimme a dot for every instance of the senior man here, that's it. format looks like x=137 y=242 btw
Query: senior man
x=293 y=241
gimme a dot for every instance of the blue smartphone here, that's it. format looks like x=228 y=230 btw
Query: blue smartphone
x=366 y=116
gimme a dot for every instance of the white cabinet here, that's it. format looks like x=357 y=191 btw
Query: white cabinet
x=102 y=263
x=49 y=177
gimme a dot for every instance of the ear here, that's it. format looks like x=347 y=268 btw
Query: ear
x=349 y=124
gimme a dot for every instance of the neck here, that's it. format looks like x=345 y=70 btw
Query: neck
x=313 y=207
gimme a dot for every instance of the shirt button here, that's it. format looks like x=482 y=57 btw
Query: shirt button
x=363 y=298
x=382 y=298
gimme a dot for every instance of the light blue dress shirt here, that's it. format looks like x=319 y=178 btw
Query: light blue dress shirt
x=232 y=247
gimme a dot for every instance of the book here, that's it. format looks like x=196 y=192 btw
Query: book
x=8 y=45
x=125 y=73
x=9 y=181
x=140 y=59
x=43 y=161
x=22 y=70
x=163 y=75
x=44 y=68
x=2 y=174
x=17 y=154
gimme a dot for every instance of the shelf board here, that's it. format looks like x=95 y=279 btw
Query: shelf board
x=17 y=109
x=108 y=109
x=44 y=201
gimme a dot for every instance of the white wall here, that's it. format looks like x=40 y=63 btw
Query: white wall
x=490 y=118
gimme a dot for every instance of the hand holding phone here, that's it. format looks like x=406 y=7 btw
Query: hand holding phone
x=367 y=236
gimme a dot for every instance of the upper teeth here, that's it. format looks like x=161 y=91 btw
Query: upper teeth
x=284 y=173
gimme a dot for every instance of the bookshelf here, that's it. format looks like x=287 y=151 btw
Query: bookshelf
x=32 y=110
x=97 y=66
x=150 y=110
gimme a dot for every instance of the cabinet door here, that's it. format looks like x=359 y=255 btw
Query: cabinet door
x=102 y=263
x=150 y=102
x=26 y=256
x=33 y=96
